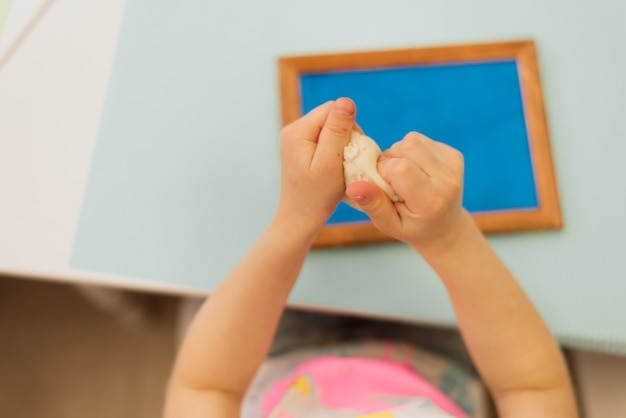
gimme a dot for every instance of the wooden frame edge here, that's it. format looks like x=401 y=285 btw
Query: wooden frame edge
x=546 y=216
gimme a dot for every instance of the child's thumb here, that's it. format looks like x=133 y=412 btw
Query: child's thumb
x=373 y=201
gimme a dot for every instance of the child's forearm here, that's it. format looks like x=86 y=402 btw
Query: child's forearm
x=508 y=340
x=231 y=334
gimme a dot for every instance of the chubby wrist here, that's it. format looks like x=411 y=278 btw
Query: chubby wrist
x=458 y=235
x=295 y=228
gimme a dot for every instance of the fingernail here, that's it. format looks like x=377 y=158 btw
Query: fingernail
x=344 y=106
x=358 y=199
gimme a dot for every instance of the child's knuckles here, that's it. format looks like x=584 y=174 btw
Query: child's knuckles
x=397 y=168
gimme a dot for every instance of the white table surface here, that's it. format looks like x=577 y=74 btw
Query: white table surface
x=52 y=92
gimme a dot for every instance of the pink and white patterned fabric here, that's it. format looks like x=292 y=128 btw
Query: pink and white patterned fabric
x=344 y=387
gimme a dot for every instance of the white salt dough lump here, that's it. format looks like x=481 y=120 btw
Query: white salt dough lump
x=360 y=158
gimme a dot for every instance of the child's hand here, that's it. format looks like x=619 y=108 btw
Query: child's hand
x=312 y=163
x=428 y=176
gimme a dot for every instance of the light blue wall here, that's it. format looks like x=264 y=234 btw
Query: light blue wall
x=185 y=173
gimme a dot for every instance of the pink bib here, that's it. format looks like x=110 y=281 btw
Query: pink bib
x=356 y=386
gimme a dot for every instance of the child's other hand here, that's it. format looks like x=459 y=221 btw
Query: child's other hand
x=428 y=176
x=312 y=180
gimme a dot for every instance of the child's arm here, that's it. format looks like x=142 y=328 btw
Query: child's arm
x=512 y=347
x=231 y=334
x=510 y=344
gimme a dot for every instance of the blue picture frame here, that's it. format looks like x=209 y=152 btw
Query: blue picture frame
x=485 y=100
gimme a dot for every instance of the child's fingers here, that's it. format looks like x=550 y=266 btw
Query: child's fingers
x=427 y=174
x=420 y=149
x=407 y=179
x=335 y=132
x=436 y=159
x=309 y=126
